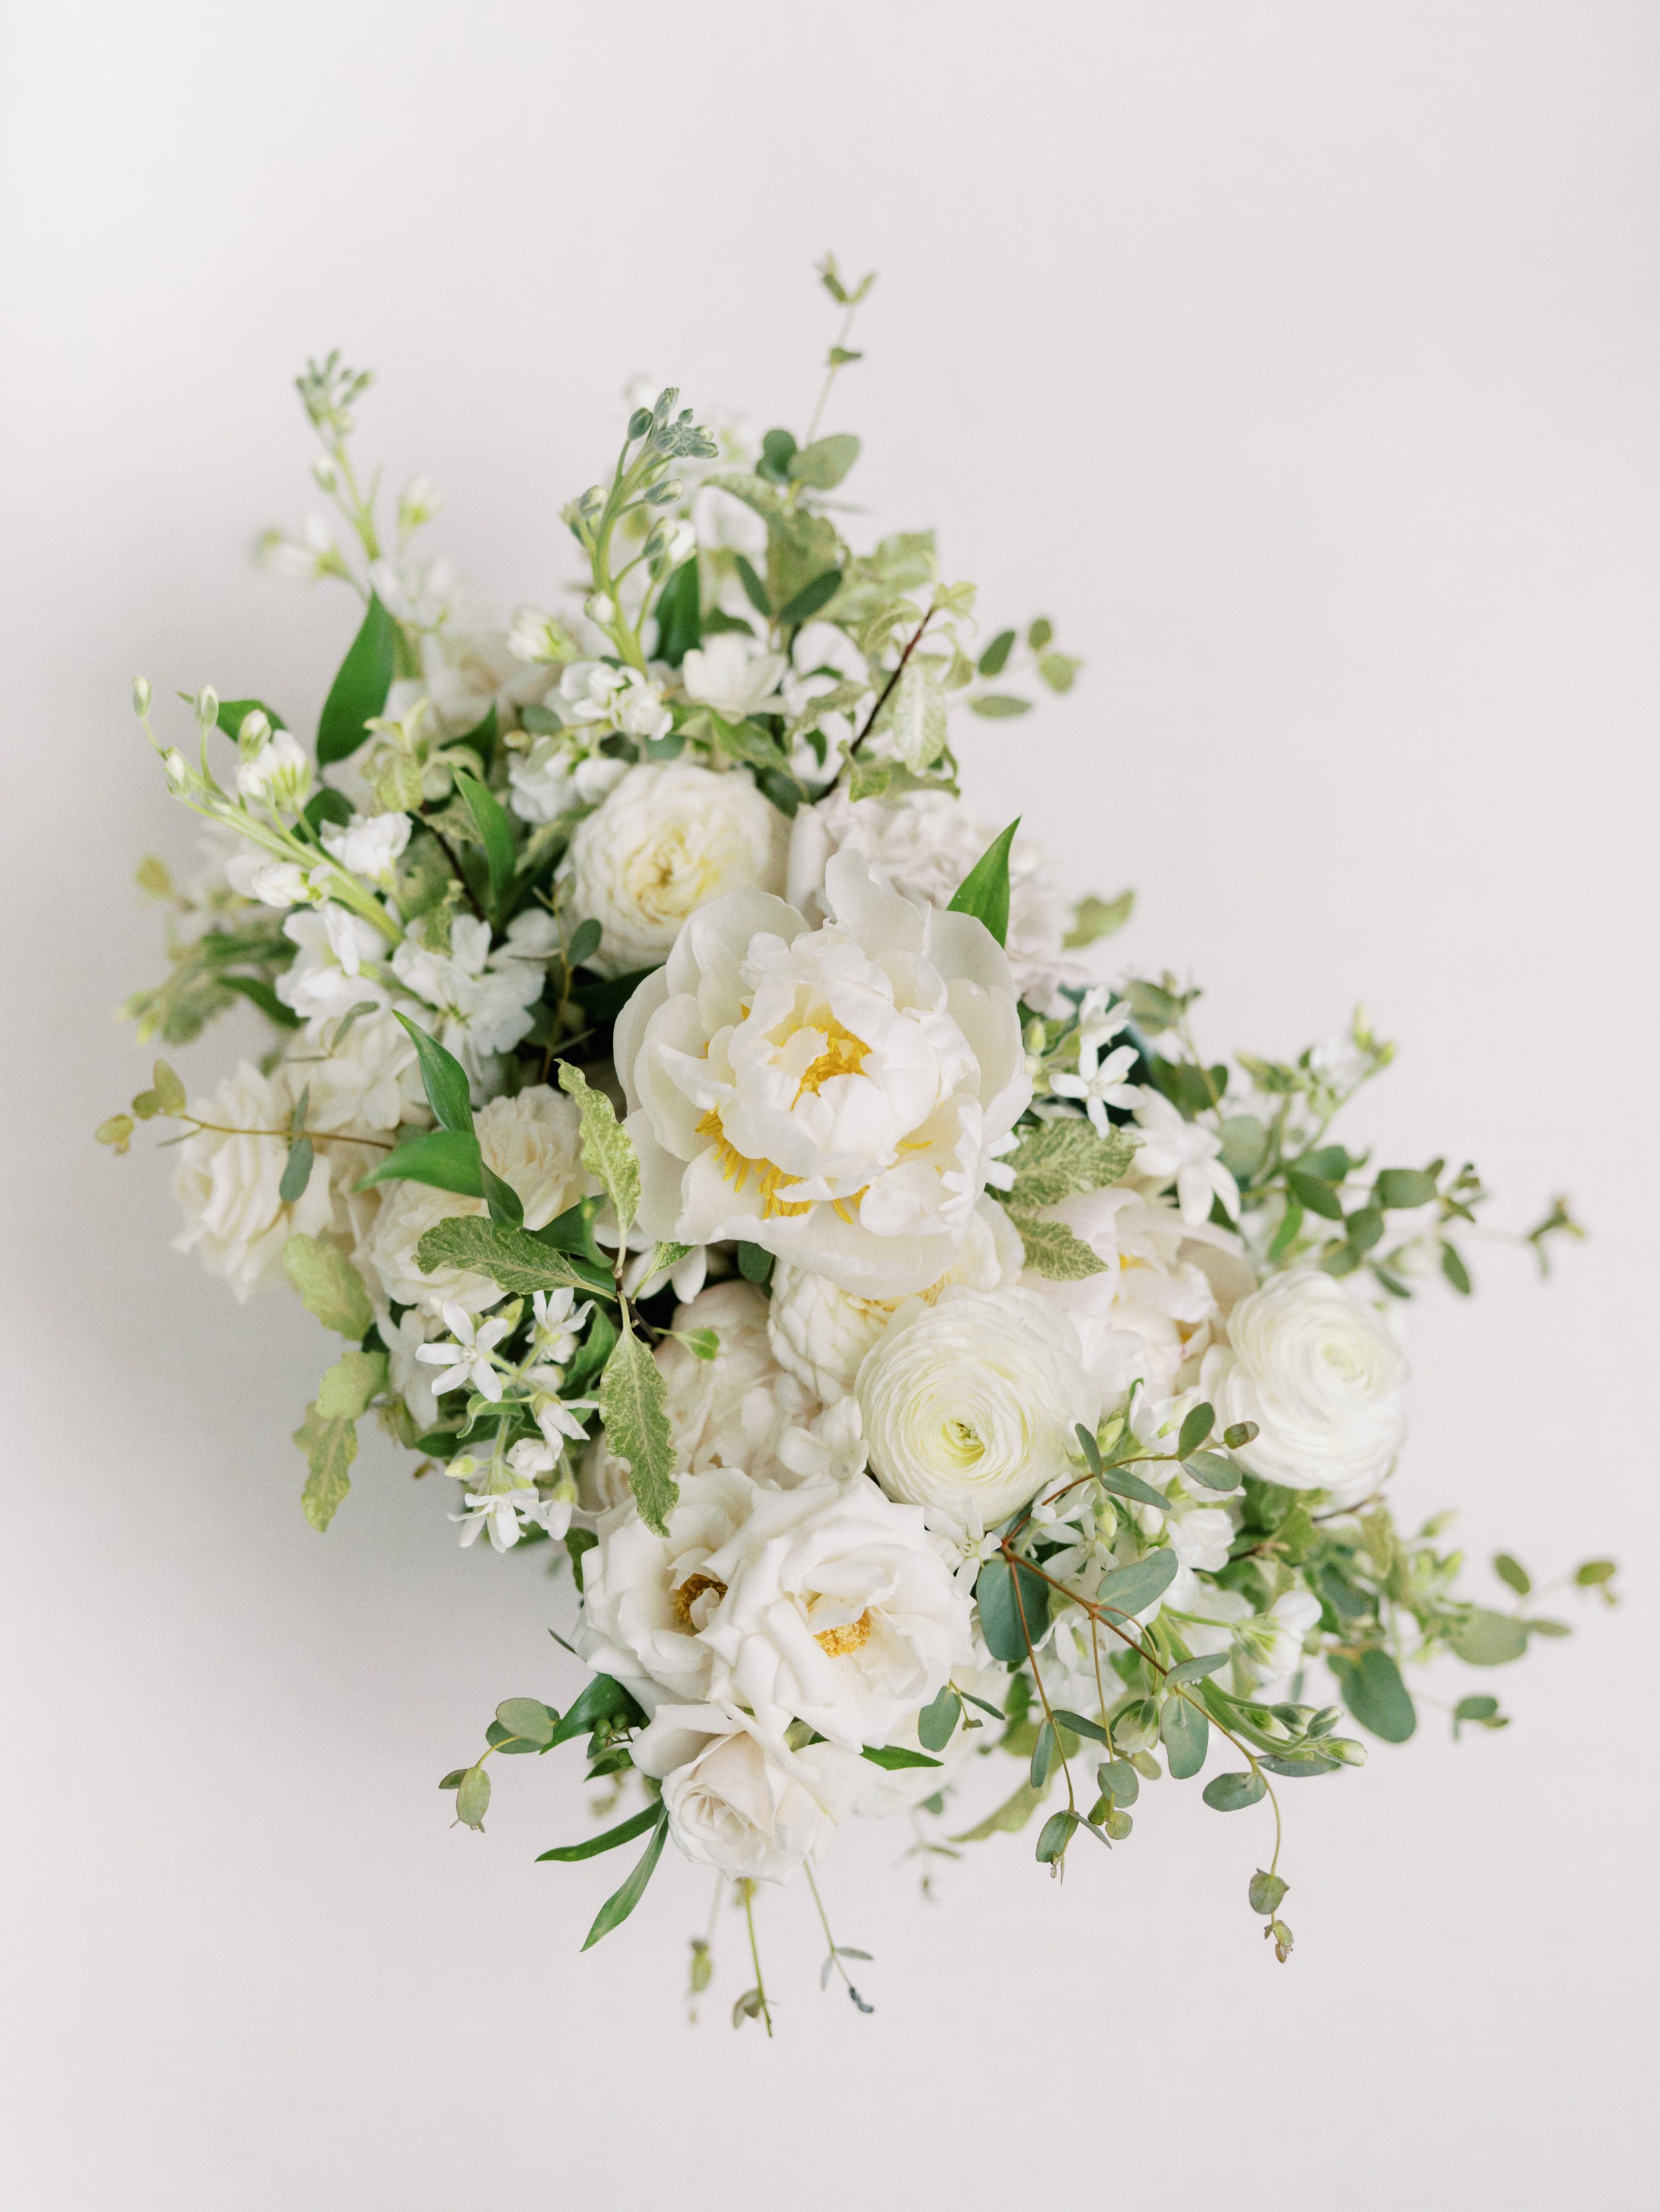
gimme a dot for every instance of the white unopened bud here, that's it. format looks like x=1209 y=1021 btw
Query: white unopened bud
x=599 y=609
x=141 y=696
x=1346 y=1748
x=256 y=728
x=207 y=707
x=278 y=775
x=326 y=474
x=176 y=767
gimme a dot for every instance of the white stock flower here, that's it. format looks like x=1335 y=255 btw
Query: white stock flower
x=484 y=998
x=747 y=1808
x=278 y=884
x=327 y=975
x=820 y=1332
x=1183 y=1152
x=532 y=1141
x=665 y=842
x=555 y=776
x=969 y=1406
x=735 y=675
x=921 y=845
x=369 y=845
x=836 y=1096
x=278 y=775
x=1320 y=1374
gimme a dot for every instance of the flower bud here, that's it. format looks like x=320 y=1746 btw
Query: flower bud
x=1346 y=1748
x=207 y=707
x=599 y=609
x=176 y=767
x=141 y=696
x=325 y=475
x=256 y=728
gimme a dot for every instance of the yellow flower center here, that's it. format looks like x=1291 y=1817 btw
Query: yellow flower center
x=844 y=1054
x=838 y=1642
x=690 y=1591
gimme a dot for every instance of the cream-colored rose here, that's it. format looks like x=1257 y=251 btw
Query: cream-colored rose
x=1322 y=1378
x=836 y=1096
x=739 y=1804
x=820 y=1332
x=532 y=1141
x=665 y=842
x=734 y=1410
x=970 y=1405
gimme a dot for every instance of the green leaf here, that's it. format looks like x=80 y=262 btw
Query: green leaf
x=232 y=713
x=481 y=738
x=1268 y=1892
x=260 y=994
x=328 y=805
x=1000 y=706
x=1059 y=1159
x=679 y=614
x=1123 y=1484
x=800 y=545
x=585 y=943
x=348 y=1388
x=1042 y=1752
x=1484 y=1638
x=607 y=1149
x=1195 y=1669
x=914 y=720
x=472 y=1796
x=447 y=1159
x=994 y=660
x=1399 y=1188
x=1214 y=1471
x=984 y=891
x=1093 y=919
x=1079 y=1725
x=1318 y=1197
x=528 y=1717
x=518 y=1262
x=1594 y=1571
x=623 y=1832
x=755 y=1263
x=445 y=1080
x=1196 y=1427
x=937 y=1721
x=1011 y=1816
x=1056 y=1835
x=894 y=1756
x=1231 y=1793
x=1512 y=1573
x=824 y=464
x=1118 y=1779
x=1042 y=630
x=494 y=828
x=1376 y=1695
x=754 y=590
x=1133 y=1589
x=1186 y=1733
x=605 y=1700
x=1055 y=1252
x=329 y=1287
x=360 y=689
x=634 y=1407
x=330 y=1447
x=812 y=596
x=297 y=1170
x=1059 y=670
x=1001 y=1612
x=1453 y=1268
x=616 y=1908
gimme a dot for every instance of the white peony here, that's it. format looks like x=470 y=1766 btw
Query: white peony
x=665 y=842
x=734 y=1410
x=734 y=1802
x=820 y=1332
x=969 y=1406
x=228 y=1175
x=827 y=1603
x=1321 y=1376
x=837 y=1095
x=532 y=1141
x=921 y=845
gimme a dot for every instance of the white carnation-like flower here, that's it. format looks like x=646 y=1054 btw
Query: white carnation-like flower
x=820 y=1332
x=970 y=1405
x=833 y=1094
x=827 y=1603
x=532 y=1141
x=734 y=1410
x=1322 y=1378
x=665 y=842
x=746 y=1807
x=921 y=845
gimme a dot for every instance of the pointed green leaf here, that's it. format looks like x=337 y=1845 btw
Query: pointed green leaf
x=360 y=689
x=984 y=891
x=297 y=1171
x=679 y=616
x=1000 y=706
x=1056 y=1253
x=617 y=1907
x=914 y=720
x=895 y=1757
x=1011 y=1816
x=348 y=1388
x=812 y=596
x=513 y=1258
x=824 y=463
x=634 y=1407
x=994 y=660
x=330 y=1447
x=493 y=827
x=329 y=1287
x=607 y=1149
x=623 y=1832
x=447 y=1159
x=1063 y=1158
x=445 y=1080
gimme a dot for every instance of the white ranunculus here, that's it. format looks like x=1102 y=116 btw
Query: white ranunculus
x=228 y=1176
x=369 y=845
x=827 y=1603
x=532 y=1141
x=837 y=1095
x=1322 y=1378
x=734 y=1410
x=921 y=845
x=970 y=1405
x=737 y=1803
x=819 y=1332
x=665 y=842
x=735 y=675
x=1150 y=1313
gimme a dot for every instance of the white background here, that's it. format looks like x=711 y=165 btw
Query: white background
x=1299 y=360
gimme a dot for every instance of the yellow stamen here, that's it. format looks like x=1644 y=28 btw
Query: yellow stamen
x=693 y=1588
x=844 y=1054
x=837 y=1642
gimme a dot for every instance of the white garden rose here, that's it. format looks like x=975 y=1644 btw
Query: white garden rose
x=532 y=1141
x=665 y=842
x=921 y=845
x=827 y=1603
x=833 y=1094
x=734 y=1410
x=820 y=1332
x=1322 y=1378
x=734 y=1802
x=970 y=1405
x=229 y=1174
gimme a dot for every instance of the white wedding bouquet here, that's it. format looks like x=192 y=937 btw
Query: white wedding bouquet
x=720 y=1159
